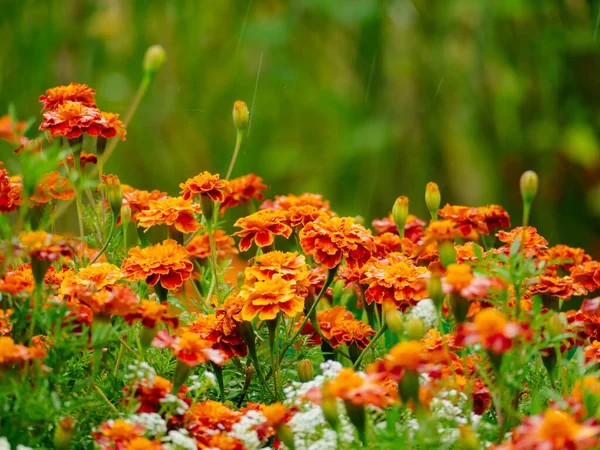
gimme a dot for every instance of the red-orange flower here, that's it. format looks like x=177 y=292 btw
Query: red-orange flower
x=394 y=279
x=139 y=200
x=288 y=265
x=529 y=239
x=96 y=276
x=117 y=434
x=150 y=395
x=285 y=202
x=17 y=281
x=199 y=246
x=482 y=220
x=118 y=301
x=447 y=230
x=221 y=330
x=587 y=274
x=565 y=257
x=209 y=415
x=151 y=313
x=339 y=327
x=460 y=279
x=74 y=92
x=189 y=348
x=413 y=229
x=360 y=388
x=10 y=191
x=267 y=298
x=171 y=211
x=53 y=185
x=564 y=287
x=72 y=119
x=407 y=356
x=328 y=239
x=11 y=353
x=592 y=352
x=261 y=228
x=12 y=133
x=43 y=246
x=205 y=184
x=167 y=263
x=243 y=190
x=6 y=325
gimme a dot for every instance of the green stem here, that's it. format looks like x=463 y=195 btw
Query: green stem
x=238 y=143
x=219 y=376
x=371 y=344
x=273 y=326
x=108 y=238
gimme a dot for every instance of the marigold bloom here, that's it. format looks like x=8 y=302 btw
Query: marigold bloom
x=151 y=313
x=327 y=240
x=261 y=228
x=18 y=281
x=413 y=229
x=221 y=330
x=565 y=257
x=72 y=119
x=150 y=394
x=205 y=184
x=11 y=353
x=447 y=230
x=139 y=200
x=360 y=388
x=406 y=356
x=117 y=434
x=592 y=352
x=299 y=216
x=171 y=211
x=73 y=92
x=285 y=202
x=211 y=415
x=267 y=298
x=167 y=263
x=96 y=276
x=141 y=443
x=564 y=287
x=189 y=348
x=10 y=191
x=219 y=441
x=289 y=265
x=394 y=279
x=386 y=243
x=482 y=220
x=460 y=279
x=339 y=327
x=554 y=430
x=199 y=246
x=492 y=330
x=121 y=300
x=587 y=274
x=12 y=133
x=43 y=246
x=243 y=190
x=529 y=239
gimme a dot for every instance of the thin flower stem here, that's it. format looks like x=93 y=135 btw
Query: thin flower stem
x=371 y=344
x=119 y=356
x=238 y=143
x=127 y=346
x=108 y=239
x=328 y=281
x=105 y=398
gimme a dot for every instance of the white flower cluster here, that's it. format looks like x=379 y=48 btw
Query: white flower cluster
x=5 y=445
x=174 y=404
x=245 y=431
x=296 y=391
x=199 y=384
x=179 y=440
x=425 y=311
x=152 y=422
x=311 y=431
x=140 y=371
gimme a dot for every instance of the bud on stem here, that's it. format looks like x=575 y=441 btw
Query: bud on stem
x=433 y=199
x=529 y=187
x=400 y=213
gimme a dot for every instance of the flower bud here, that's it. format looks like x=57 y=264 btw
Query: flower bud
x=529 y=185
x=555 y=325
x=329 y=406
x=415 y=329
x=125 y=214
x=241 y=115
x=358 y=416
x=182 y=372
x=306 y=372
x=447 y=253
x=114 y=192
x=393 y=318
x=63 y=433
x=154 y=59
x=408 y=387
x=284 y=434
x=400 y=213
x=433 y=199
x=435 y=289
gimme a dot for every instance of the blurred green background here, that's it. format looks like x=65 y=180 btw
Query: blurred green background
x=360 y=100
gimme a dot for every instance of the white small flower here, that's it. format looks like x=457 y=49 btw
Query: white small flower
x=23 y=447
x=174 y=403
x=4 y=445
x=179 y=440
x=152 y=422
x=141 y=372
x=424 y=310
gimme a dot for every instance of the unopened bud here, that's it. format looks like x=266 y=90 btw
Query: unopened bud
x=125 y=214
x=285 y=435
x=433 y=199
x=400 y=213
x=435 y=289
x=467 y=438
x=241 y=115
x=415 y=329
x=529 y=185
x=329 y=406
x=393 y=318
x=306 y=372
x=447 y=253
x=63 y=433
x=555 y=325
x=114 y=192
x=154 y=59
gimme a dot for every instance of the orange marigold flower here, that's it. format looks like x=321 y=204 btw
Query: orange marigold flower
x=72 y=119
x=565 y=257
x=205 y=184
x=221 y=330
x=12 y=133
x=339 y=327
x=261 y=228
x=299 y=216
x=482 y=220
x=447 y=230
x=460 y=279
x=199 y=246
x=285 y=202
x=10 y=191
x=327 y=240
x=243 y=190
x=554 y=430
x=413 y=229
x=492 y=330
x=150 y=313
x=52 y=186
x=11 y=353
x=167 y=263
x=17 y=281
x=74 y=92
x=6 y=325
x=96 y=276
x=211 y=415
x=121 y=300
x=360 y=388
x=386 y=243
x=141 y=443
x=288 y=265
x=139 y=200
x=587 y=274
x=564 y=287
x=529 y=239
x=219 y=440
x=150 y=394
x=267 y=298
x=408 y=356
x=43 y=246
x=395 y=279
x=189 y=348
x=466 y=252
x=492 y=217
x=592 y=352
x=276 y=414
x=117 y=433
x=171 y=211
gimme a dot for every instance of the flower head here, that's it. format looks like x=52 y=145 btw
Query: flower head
x=11 y=353
x=10 y=191
x=529 y=239
x=117 y=434
x=285 y=202
x=12 y=133
x=448 y=230
x=52 y=186
x=261 y=228
x=171 y=211
x=339 y=327
x=288 y=265
x=72 y=119
x=43 y=246
x=205 y=184
x=587 y=275
x=74 y=92
x=243 y=190
x=189 y=348
x=199 y=246
x=221 y=330
x=151 y=313
x=267 y=298
x=139 y=200
x=167 y=263
x=209 y=415
x=360 y=388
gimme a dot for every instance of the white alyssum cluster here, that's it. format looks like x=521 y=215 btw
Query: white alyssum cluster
x=5 y=445
x=152 y=422
x=174 y=404
x=424 y=310
x=296 y=391
x=245 y=430
x=311 y=431
x=197 y=383
x=179 y=440
x=141 y=371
